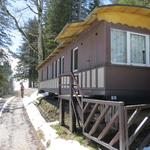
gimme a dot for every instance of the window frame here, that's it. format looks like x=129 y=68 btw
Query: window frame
x=55 y=69
x=73 y=59
x=42 y=75
x=128 y=51
x=62 y=64
x=47 y=72
x=58 y=67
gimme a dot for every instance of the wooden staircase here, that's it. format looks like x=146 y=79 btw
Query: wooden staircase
x=75 y=99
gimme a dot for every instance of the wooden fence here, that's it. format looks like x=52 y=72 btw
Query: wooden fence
x=107 y=128
x=115 y=126
x=137 y=126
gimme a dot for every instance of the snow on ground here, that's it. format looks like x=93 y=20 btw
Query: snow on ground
x=6 y=103
x=50 y=135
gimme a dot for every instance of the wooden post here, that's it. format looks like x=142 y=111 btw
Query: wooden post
x=126 y=128
x=72 y=125
x=61 y=105
x=122 y=141
x=59 y=87
x=61 y=112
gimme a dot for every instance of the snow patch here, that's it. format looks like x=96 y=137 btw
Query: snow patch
x=6 y=103
x=50 y=135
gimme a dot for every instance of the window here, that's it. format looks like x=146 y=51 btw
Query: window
x=75 y=59
x=47 y=72
x=138 y=49
x=118 y=46
x=62 y=65
x=52 y=69
x=42 y=76
x=129 y=48
x=56 y=68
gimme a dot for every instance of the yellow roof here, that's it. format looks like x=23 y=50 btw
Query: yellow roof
x=124 y=14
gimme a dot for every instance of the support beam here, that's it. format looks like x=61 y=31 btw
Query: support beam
x=61 y=112
x=72 y=125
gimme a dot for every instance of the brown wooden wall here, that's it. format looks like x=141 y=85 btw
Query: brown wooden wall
x=91 y=45
x=94 y=51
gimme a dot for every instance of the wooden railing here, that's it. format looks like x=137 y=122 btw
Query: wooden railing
x=115 y=126
x=137 y=120
x=96 y=126
x=109 y=123
x=75 y=100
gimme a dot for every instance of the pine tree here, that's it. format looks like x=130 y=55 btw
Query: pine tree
x=57 y=15
x=79 y=10
x=5 y=73
x=26 y=68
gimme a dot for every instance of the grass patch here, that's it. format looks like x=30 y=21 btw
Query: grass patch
x=48 y=110
x=40 y=135
x=64 y=133
x=48 y=143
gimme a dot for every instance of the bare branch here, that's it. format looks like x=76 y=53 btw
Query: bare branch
x=32 y=9
x=20 y=30
x=23 y=9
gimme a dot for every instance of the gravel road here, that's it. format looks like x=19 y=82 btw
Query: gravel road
x=16 y=131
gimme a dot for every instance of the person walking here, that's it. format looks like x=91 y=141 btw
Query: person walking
x=22 y=89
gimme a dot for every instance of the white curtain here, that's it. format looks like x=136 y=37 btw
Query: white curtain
x=138 y=49
x=118 y=46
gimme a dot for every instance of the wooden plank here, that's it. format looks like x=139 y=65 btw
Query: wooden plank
x=79 y=102
x=103 y=102
x=138 y=129
x=66 y=97
x=59 y=86
x=85 y=107
x=75 y=113
x=100 y=142
x=76 y=82
x=126 y=128
x=122 y=142
x=108 y=126
x=142 y=106
x=133 y=116
x=99 y=119
x=115 y=139
x=61 y=112
x=72 y=125
x=90 y=116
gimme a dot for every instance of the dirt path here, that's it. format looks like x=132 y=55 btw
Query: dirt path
x=16 y=131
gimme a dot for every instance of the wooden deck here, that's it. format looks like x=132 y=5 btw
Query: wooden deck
x=67 y=97
x=109 y=123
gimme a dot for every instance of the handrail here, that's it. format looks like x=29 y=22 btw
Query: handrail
x=79 y=88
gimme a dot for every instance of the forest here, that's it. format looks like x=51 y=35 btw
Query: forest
x=39 y=32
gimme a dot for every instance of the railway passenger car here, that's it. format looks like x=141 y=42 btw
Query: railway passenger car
x=109 y=51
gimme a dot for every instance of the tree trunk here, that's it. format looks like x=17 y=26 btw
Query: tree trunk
x=40 y=31
x=30 y=83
